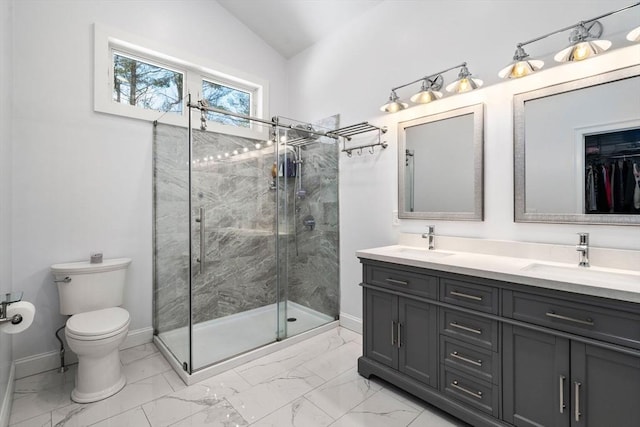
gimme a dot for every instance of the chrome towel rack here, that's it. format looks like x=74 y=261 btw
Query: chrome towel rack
x=347 y=132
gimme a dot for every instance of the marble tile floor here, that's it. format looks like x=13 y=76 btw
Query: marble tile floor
x=310 y=384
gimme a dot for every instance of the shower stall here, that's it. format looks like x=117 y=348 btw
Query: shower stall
x=245 y=239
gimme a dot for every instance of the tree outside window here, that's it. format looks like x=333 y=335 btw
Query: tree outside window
x=228 y=99
x=147 y=86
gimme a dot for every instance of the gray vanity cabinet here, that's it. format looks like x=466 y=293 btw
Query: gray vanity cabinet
x=536 y=378
x=554 y=381
x=494 y=353
x=401 y=333
x=572 y=372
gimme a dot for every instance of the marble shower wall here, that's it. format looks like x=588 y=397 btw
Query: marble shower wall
x=240 y=219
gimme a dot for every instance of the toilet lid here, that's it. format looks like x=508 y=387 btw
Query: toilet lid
x=98 y=322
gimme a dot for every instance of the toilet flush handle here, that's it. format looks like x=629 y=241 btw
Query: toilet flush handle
x=65 y=280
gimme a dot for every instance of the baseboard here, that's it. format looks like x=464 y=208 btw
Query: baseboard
x=138 y=337
x=351 y=322
x=5 y=408
x=42 y=362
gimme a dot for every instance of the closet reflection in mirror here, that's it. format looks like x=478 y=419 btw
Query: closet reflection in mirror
x=440 y=166
x=576 y=145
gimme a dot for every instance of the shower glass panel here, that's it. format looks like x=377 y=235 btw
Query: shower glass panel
x=171 y=302
x=245 y=239
x=308 y=273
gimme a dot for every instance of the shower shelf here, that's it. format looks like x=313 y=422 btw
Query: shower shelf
x=346 y=133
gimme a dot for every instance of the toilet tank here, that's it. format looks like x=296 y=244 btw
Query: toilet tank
x=83 y=286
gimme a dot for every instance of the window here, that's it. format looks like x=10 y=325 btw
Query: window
x=228 y=99
x=150 y=81
x=147 y=86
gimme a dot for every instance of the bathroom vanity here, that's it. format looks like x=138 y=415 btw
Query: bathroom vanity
x=501 y=341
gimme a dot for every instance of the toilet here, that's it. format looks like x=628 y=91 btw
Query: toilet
x=92 y=295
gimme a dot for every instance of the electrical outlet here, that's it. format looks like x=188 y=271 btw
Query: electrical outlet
x=394 y=218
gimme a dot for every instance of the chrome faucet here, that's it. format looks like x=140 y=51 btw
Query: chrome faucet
x=583 y=248
x=431 y=235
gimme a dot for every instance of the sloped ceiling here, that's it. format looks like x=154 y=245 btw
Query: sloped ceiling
x=291 y=26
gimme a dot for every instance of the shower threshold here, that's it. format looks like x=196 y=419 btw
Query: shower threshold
x=224 y=343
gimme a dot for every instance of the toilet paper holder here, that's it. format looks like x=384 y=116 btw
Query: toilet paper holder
x=8 y=299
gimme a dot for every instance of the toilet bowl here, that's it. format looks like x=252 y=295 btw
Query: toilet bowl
x=95 y=337
x=92 y=294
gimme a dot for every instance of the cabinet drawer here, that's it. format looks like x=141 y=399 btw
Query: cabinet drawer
x=606 y=324
x=479 y=394
x=470 y=359
x=400 y=280
x=470 y=295
x=469 y=328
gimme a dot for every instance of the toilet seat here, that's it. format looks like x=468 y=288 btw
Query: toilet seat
x=98 y=324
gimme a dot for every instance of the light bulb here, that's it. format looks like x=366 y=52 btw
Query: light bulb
x=219 y=156
x=245 y=149
x=464 y=85
x=235 y=152
x=581 y=51
x=226 y=154
x=258 y=146
x=519 y=70
x=269 y=142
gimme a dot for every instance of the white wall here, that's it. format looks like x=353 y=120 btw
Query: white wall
x=82 y=181
x=399 y=41
x=5 y=185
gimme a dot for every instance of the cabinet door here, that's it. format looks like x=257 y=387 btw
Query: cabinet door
x=381 y=314
x=536 y=378
x=605 y=387
x=418 y=341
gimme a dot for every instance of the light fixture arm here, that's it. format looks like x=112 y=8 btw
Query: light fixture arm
x=464 y=64
x=581 y=23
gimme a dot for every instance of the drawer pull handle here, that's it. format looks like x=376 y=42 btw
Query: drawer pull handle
x=476 y=394
x=588 y=322
x=466 y=359
x=577 y=392
x=562 y=404
x=399 y=334
x=465 y=328
x=397 y=282
x=467 y=296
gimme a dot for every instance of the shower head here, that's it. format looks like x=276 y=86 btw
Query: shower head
x=302 y=132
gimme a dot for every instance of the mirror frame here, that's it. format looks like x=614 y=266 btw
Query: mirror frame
x=519 y=172
x=478 y=165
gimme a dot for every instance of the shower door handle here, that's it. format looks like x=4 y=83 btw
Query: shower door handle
x=202 y=239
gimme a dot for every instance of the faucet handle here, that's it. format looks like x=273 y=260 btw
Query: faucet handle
x=431 y=229
x=584 y=238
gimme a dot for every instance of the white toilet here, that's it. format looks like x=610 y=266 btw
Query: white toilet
x=92 y=294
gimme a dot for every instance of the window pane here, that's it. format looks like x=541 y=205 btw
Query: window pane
x=228 y=99
x=145 y=85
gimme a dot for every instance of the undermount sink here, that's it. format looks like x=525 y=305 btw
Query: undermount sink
x=419 y=252
x=579 y=274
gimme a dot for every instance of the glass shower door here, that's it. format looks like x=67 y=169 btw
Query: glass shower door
x=233 y=281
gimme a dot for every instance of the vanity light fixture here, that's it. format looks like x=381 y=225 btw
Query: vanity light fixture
x=584 y=41
x=465 y=83
x=581 y=46
x=394 y=105
x=430 y=88
x=428 y=91
x=521 y=66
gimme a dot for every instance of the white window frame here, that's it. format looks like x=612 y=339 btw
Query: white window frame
x=107 y=40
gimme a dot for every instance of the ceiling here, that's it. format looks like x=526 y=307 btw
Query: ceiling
x=291 y=26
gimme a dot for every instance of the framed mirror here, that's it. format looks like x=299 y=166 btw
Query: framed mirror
x=577 y=151
x=440 y=165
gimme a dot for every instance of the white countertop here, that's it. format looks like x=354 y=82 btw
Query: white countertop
x=596 y=281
